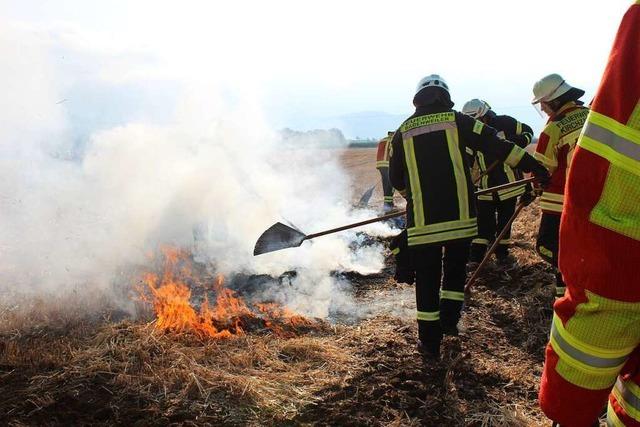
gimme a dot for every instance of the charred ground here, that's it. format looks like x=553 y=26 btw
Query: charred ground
x=63 y=370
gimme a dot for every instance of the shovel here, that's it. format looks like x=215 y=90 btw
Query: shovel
x=280 y=236
x=366 y=196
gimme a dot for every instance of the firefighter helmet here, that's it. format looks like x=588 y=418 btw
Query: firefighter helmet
x=476 y=108
x=549 y=88
x=432 y=80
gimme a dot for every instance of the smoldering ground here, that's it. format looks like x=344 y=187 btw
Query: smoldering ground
x=81 y=213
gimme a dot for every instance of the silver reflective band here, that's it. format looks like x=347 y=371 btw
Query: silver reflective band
x=580 y=356
x=616 y=142
x=628 y=395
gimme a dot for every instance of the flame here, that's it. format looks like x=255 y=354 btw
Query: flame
x=170 y=294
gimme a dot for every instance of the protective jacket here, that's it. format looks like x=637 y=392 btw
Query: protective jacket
x=593 y=354
x=384 y=152
x=519 y=133
x=430 y=167
x=554 y=150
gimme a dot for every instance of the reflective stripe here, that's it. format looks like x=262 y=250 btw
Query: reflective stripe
x=463 y=233
x=429 y=316
x=395 y=251
x=427 y=120
x=612 y=140
x=441 y=226
x=428 y=129
x=550 y=164
x=484 y=182
x=469 y=151
x=460 y=173
x=414 y=181
x=382 y=164
x=477 y=127
x=612 y=417
x=505 y=242
x=544 y=251
x=480 y=242
x=629 y=401
x=388 y=198
x=518 y=128
x=588 y=358
x=452 y=295
x=514 y=156
x=552 y=197
x=551 y=206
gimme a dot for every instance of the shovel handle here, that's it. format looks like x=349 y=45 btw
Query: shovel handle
x=357 y=224
x=486 y=172
x=493 y=247
x=505 y=186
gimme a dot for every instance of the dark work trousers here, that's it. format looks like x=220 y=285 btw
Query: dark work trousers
x=492 y=218
x=439 y=310
x=547 y=245
x=387 y=188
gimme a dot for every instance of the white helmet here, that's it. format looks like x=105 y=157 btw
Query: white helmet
x=549 y=88
x=432 y=80
x=476 y=108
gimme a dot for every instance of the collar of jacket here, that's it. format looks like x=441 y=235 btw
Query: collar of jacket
x=434 y=98
x=571 y=105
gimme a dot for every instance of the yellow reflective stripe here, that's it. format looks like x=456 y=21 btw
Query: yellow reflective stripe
x=460 y=173
x=395 y=251
x=627 y=399
x=452 y=295
x=382 y=164
x=544 y=251
x=477 y=127
x=468 y=150
x=551 y=207
x=514 y=156
x=511 y=192
x=414 y=181
x=612 y=417
x=518 y=128
x=596 y=359
x=505 y=242
x=388 y=199
x=509 y=172
x=441 y=226
x=612 y=140
x=428 y=316
x=550 y=164
x=484 y=182
x=465 y=233
x=552 y=197
x=480 y=242
x=426 y=120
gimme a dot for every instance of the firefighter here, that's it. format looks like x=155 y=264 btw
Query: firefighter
x=561 y=102
x=428 y=166
x=382 y=164
x=495 y=210
x=593 y=355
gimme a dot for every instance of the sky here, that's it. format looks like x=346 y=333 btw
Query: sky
x=311 y=64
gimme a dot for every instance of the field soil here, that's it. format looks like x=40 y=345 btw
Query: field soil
x=107 y=370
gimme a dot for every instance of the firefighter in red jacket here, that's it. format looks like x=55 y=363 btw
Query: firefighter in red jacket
x=382 y=164
x=495 y=210
x=555 y=147
x=593 y=356
x=429 y=166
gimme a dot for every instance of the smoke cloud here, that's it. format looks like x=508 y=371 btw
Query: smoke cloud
x=211 y=178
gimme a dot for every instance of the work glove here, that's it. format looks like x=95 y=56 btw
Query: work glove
x=528 y=197
x=541 y=175
x=405 y=272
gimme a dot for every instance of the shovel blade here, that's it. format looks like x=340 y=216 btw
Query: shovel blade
x=278 y=236
x=366 y=196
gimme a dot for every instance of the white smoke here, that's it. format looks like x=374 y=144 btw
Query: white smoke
x=81 y=222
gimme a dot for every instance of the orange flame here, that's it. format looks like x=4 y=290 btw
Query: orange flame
x=170 y=297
